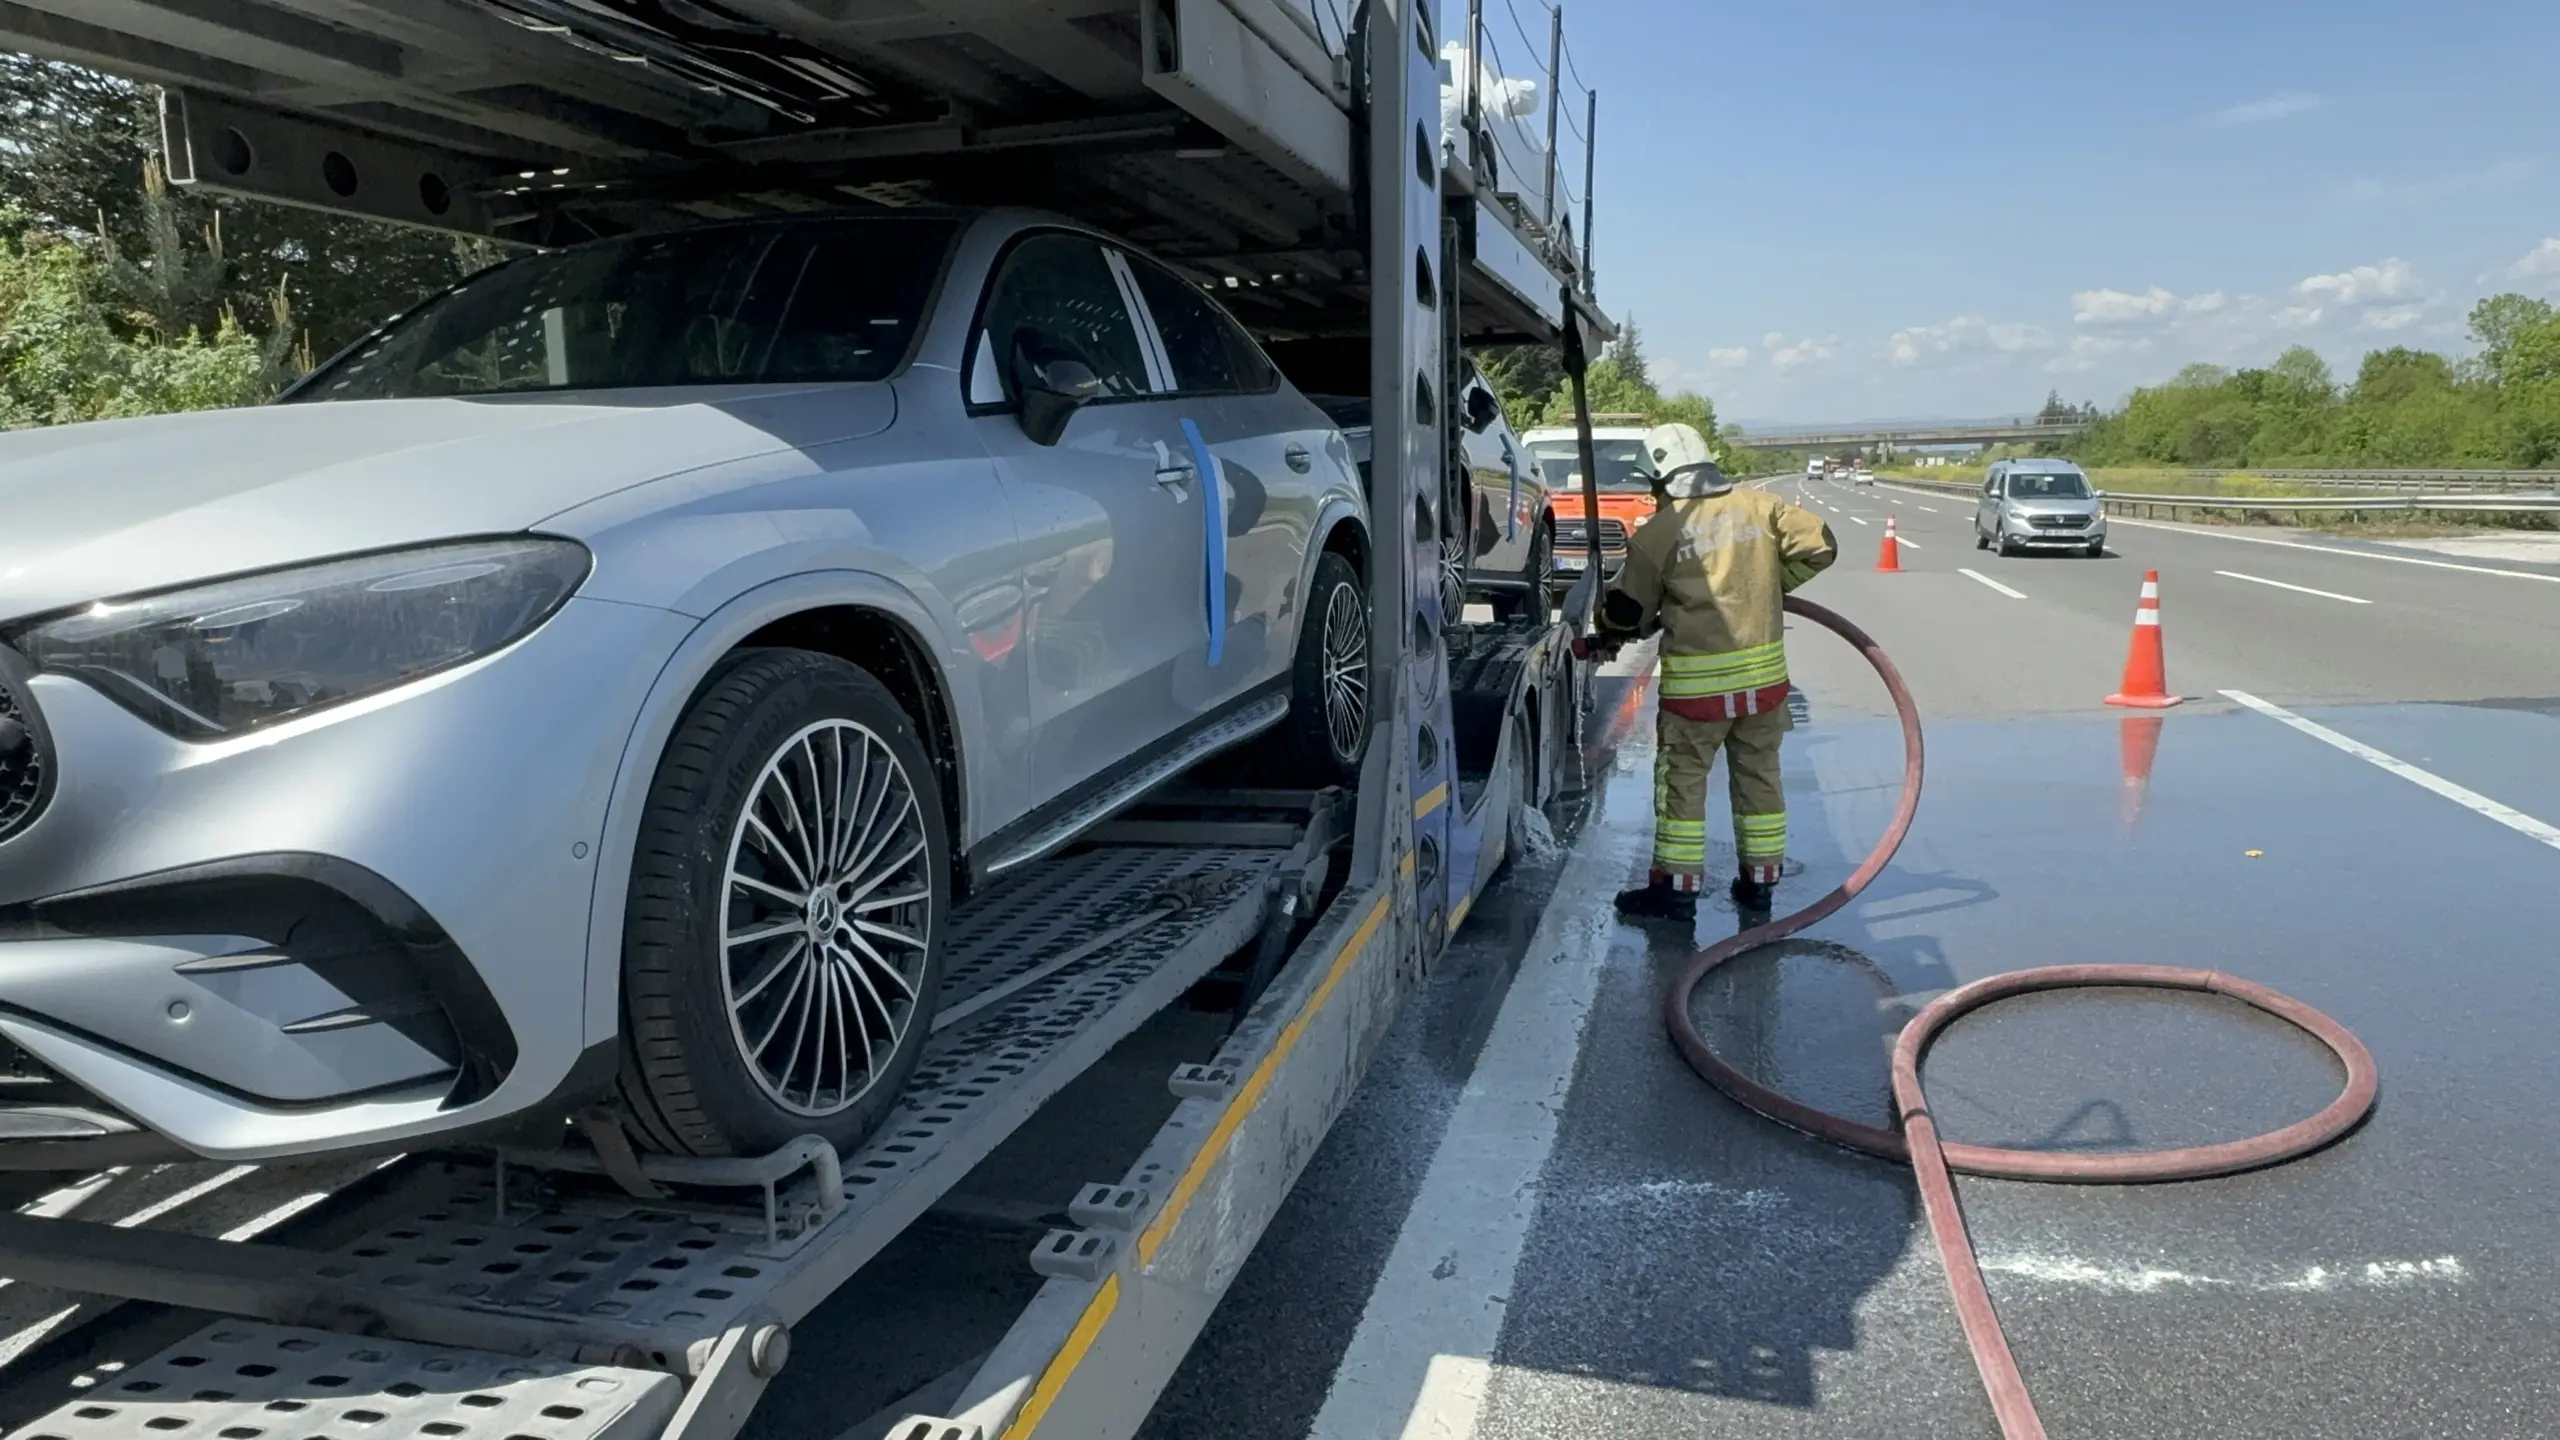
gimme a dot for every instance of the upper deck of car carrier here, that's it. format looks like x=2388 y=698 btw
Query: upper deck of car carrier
x=1197 y=984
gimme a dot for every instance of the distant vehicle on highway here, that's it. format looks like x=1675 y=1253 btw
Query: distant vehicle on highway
x=1625 y=483
x=1813 y=468
x=2039 y=505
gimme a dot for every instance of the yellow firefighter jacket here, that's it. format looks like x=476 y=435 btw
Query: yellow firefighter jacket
x=1710 y=570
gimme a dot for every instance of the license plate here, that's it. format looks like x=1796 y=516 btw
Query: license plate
x=1571 y=562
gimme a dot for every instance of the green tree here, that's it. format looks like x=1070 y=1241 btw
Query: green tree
x=1628 y=353
x=76 y=144
x=2496 y=322
x=2305 y=374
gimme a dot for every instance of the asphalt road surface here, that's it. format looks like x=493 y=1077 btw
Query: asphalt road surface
x=1535 y=1222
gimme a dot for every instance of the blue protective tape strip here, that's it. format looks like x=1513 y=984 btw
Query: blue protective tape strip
x=1213 y=520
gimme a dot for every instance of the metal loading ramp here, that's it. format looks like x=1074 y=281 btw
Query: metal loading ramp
x=474 y=1294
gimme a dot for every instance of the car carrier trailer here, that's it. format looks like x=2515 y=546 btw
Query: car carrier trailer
x=1287 y=154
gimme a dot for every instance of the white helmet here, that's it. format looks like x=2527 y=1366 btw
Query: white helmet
x=1680 y=453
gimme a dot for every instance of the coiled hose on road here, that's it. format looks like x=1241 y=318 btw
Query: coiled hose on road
x=1916 y=1141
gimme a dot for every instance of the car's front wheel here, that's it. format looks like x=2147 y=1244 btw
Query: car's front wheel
x=1328 y=724
x=783 y=939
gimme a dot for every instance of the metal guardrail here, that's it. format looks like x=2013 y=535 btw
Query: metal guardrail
x=2118 y=502
x=2493 y=480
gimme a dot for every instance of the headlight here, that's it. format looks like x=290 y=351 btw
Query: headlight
x=221 y=658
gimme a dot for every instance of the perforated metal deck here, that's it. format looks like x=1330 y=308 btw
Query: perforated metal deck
x=242 y=1380
x=658 y=1284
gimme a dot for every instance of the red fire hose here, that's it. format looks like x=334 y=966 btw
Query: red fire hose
x=1916 y=1142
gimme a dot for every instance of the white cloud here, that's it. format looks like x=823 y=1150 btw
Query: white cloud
x=2542 y=263
x=1785 y=355
x=1772 y=340
x=2281 y=105
x=2087 y=352
x=1963 y=334
x=2427 y=190
x=1729 y=357
x=2393 y=317
x=2296 y=317
x=2154 y=306
x=2364 y=284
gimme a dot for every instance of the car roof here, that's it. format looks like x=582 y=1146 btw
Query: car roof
x=1598 y=432
x=2044 y=467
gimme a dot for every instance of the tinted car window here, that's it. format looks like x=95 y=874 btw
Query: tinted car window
x=2038 y=485
x=1055 y=298
x=733 y=304
x=1623 y=464
x=1209 y=352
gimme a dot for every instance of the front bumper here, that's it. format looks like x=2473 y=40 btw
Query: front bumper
x=2033 y=537
x=361 y=927
x=1571 y=563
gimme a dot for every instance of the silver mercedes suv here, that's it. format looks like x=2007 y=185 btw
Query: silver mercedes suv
x=609 y=674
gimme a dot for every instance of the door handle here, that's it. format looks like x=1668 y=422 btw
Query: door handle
x=1298 y=457
x=1176 y=479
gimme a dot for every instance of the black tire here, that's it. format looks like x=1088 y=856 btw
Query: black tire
x=2005 y=548
x=1980 y=540
x=1318 y=751
x=1516 y=818
x=2097 y=549
x=689 y=1085
x=1530 y=601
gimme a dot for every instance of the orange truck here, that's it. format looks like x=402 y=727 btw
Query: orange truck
x=1626 y=490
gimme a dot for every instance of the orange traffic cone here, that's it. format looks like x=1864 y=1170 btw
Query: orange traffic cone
x=1889 y=554
x=2146 y=678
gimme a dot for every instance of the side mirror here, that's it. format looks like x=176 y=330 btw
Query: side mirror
x=2097 y=494
x=1482 y=409
x=1052 y=393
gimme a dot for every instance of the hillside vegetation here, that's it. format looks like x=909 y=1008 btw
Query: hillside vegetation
x=2404 y=407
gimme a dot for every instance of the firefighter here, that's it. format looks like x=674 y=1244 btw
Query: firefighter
x=1709 y=571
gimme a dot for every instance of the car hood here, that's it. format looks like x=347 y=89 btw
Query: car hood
x=118 y=507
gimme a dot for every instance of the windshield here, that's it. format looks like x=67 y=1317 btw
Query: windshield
x=1623 y=464
x=805 y=301
x=2063 y=485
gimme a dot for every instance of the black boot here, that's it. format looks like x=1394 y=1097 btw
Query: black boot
x=1659 y=900
x=1753 y=897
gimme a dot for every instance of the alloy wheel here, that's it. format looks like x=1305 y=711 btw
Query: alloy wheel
x=1346 y=670
x=1453 y=578
x=827 y=918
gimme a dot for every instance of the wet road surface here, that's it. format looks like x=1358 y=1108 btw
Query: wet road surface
x=1669 y=1265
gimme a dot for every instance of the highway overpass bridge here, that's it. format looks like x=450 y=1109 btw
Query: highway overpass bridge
x=1999 y=432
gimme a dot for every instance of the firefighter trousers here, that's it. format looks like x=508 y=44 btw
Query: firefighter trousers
x=1684 y=757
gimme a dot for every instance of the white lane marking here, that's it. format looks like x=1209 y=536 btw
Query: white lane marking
x=2281 y=585
x=1419 y=1361
x=1932 y=509
x=1905 y=541
x=1994 y=584
x=1857 y=520
x=2334 y=550
x=2506 y=815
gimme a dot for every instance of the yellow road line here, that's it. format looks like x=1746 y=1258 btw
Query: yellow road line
x=1079 y=1340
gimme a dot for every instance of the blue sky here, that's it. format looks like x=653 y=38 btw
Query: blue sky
x=1847 y=209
